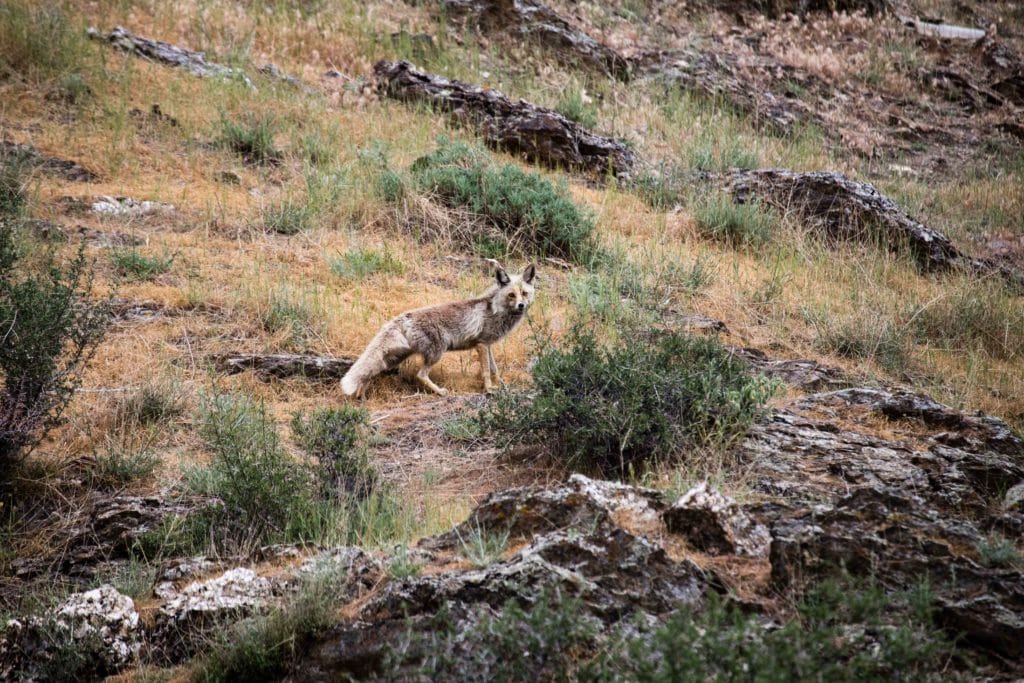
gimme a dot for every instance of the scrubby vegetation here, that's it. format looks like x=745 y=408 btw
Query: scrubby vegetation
x=616 y=407
x=50 y=326
x=841 y=631
x=510 y=211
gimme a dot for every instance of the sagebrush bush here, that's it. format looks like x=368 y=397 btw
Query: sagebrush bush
x=574 y=107
x=336 y=437
x=289 y=217
x=264 y=490
x=619 y=406
x=49 y=329
x=718 y=217
x=518 y=212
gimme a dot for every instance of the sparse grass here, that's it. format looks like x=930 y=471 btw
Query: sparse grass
x=973 y=315
x=134 y=578
x=866 y=335
x=360 y=263
x=154 y=402
x=288 y=217
x=38 y=42
x=125 y=458
x=462 y=429
x=289 y=313
x=483 y=548
x=14 y=181
x=999 y=552
x=252 y=139
x=718 y=217
x=131 y=264
x=621 y=406
x=403 y=565
x=709 y=153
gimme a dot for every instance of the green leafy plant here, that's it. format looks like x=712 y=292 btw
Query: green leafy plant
x=49 y=330
x=252 y=139
x=718 y=217
x=619 y=406
x=131 y=264
x=336 y=437
x=361 y=263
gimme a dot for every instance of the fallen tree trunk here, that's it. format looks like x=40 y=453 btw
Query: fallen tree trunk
x=284 y=365
x=846 y=209
x=535 y=21
x=540 y=134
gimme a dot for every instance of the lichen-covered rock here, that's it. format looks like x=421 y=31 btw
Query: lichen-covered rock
x=715 y=524
x=102 y=625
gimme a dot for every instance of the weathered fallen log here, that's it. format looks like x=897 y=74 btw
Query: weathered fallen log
x=540 y=134
x=284 y=365
x=62 y=168
x=532 y=20
x=166 y=53
x=846 y=209
x=944 y=31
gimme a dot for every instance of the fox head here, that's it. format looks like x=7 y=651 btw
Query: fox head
x=514 y=293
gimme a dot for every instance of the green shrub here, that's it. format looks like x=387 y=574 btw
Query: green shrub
x=252 y=139
x=37 y=42
x=72 y=89
x=266 y=647
x=288 y=313
x=481 y=547
x=289 y=217
x=336 y=438
x=129 y=263
x=263 y=489
x=708 y=155
x=50 y=328
x=520 y=211
x=360 y=263
x=462 y=429
x=403 y=564
x=619 y=406
x=390 y=186
x=720 y=218
x=122 y=461
x=572 y=106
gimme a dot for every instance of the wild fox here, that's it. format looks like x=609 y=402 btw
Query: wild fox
x=456 y=326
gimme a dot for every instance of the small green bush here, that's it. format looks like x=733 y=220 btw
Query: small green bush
x=390 y=186
x=572 y=106
x=129 y=263
x=720 y=218
x=72 y=89
x=263 y=489
x=289 y=217
x=521 y=211
x=123 y=461
x=617 y=407
x=289 y=313
x=336 y=438
x=252 y=139
x=481 y=547
x=361 y=263
x=50 y=328
x=706 y=155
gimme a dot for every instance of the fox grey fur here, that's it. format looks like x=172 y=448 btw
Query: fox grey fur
x=457 y=326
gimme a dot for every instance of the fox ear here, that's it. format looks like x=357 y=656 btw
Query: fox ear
x=503 y=278
x=529 y=274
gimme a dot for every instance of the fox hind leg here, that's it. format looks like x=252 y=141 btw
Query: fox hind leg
x=424 y=374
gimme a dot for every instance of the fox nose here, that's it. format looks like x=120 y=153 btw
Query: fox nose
x=520 y=305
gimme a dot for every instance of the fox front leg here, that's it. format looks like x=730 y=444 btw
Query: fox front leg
x=483 y=352
x=493 y=366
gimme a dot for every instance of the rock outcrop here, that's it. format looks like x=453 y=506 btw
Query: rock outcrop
x=539 y=134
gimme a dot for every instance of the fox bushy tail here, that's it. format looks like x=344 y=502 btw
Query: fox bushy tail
x=374 y=360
